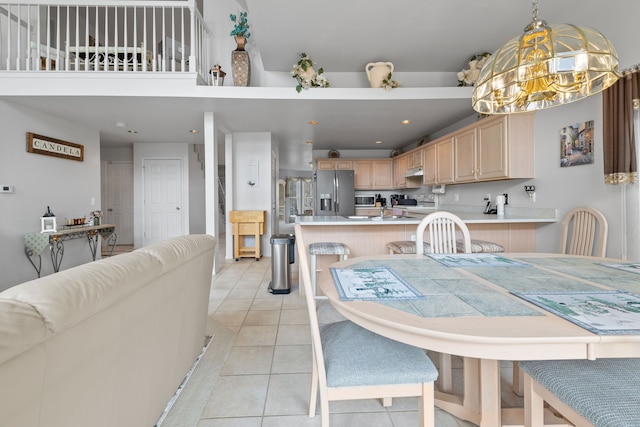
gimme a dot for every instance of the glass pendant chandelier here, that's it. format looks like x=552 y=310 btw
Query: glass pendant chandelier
x=548 y=65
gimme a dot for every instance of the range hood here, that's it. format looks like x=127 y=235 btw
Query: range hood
x=414 y=172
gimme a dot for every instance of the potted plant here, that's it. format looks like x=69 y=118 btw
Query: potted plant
x=240 y=63
x=240 y=29
x=306 y=76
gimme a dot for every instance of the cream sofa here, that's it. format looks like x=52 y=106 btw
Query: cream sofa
x=106 y=343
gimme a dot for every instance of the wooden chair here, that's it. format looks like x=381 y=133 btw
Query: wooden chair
x=581 y=229
x=350 y=362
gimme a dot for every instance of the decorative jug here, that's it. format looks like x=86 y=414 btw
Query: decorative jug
x=378 y=71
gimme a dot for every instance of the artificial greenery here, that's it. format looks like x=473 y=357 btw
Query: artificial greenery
x=388 y=83
x=241 y=27
x=306 y=81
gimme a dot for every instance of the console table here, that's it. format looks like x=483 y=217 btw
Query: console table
x=35 y=243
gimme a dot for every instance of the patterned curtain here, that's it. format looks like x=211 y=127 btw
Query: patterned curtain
x=620 y=165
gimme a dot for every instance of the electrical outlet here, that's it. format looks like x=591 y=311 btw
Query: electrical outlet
x=456 y=197
x=413 y=237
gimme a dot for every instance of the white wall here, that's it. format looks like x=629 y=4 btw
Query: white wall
x=66 y=185
x=142 y=151
x=197 y=216
x=248 y=148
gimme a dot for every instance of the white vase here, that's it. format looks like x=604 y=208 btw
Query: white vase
x=378 y=71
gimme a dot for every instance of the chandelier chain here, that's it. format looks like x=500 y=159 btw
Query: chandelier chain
x=534 y=4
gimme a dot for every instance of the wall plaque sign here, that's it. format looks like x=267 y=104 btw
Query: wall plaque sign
x=54 y=147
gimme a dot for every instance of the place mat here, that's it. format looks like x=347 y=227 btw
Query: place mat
x=378 y=283
x=599 y=312
x=476 y=260
x=632 y=267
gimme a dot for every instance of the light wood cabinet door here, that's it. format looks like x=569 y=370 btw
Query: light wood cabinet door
x=464 y=151
x=444 y=162
x=492 y=150
x=326 y=164
x=399 y=171
x=382 y=171
x=429 y=166
x=344 y=164
x=414 y=159
x=363 y=178
x=334 y=164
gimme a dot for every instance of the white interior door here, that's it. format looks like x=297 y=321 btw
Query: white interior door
x=118 y=200
x=163 y=200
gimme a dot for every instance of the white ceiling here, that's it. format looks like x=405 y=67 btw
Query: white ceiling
x=422 y=38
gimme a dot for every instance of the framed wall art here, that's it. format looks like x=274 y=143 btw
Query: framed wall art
x=576 y=144
x=39 y=144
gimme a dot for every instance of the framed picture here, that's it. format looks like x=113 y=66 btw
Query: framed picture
x=576 y=144
x=39 y=144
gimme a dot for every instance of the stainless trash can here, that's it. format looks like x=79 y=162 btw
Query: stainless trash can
x=282 y=256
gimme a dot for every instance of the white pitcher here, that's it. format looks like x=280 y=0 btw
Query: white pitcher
x=378 y=71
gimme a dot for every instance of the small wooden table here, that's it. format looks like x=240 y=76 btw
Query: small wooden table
x=35 y=243
x=470 y=311
x=247 y=223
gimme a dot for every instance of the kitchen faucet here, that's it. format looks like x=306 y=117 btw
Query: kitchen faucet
x=381 y=211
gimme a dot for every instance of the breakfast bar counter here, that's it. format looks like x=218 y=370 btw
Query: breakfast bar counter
x=369 y=235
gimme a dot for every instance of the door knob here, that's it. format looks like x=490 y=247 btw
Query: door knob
x=177 y=208
x=109 y=210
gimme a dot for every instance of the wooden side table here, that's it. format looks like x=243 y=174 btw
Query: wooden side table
x=247 y=223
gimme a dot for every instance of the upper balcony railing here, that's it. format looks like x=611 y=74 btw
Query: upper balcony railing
x=108 y=36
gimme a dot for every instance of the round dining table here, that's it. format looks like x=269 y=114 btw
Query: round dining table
x=487 y=308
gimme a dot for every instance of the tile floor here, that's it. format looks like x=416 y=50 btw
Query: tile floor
x=256 y=371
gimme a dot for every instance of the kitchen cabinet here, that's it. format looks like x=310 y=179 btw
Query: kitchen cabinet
x=438 y=162
x=414 y=159
x=430 y=165
x=495 y=148
x=373 y=174
x=400 y=166
x=334 y=164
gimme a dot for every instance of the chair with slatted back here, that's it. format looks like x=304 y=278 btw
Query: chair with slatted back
x=582 y=228
x=350 y=362
x=443 y=228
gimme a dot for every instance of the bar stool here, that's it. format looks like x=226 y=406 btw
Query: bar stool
x=325 y=248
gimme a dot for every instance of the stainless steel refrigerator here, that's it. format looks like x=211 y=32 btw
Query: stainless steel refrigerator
x=334 y=193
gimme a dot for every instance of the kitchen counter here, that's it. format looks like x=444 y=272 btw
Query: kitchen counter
x=516 y=230
x=469 y=215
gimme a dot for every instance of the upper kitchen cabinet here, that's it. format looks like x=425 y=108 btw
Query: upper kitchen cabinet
x=400 y=167
x=334 y=164
x=438 y=162
x=497 y=147
x=373 y=174
x=414 y=159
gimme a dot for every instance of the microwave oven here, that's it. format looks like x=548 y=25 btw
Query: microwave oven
x=365 y=200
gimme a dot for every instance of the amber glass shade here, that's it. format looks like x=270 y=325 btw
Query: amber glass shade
x=548 y=65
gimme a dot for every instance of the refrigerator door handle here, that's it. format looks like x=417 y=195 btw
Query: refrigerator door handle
x=336 y=197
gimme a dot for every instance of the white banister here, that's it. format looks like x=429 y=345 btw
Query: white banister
x=104 y=36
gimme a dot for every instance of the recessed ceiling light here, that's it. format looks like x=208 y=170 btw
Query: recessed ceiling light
x=194 y=131
x=132 y=131
x=121 y=124
x=309 y=142
x=406 y=122
x=313 y=122
x=378 y=142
